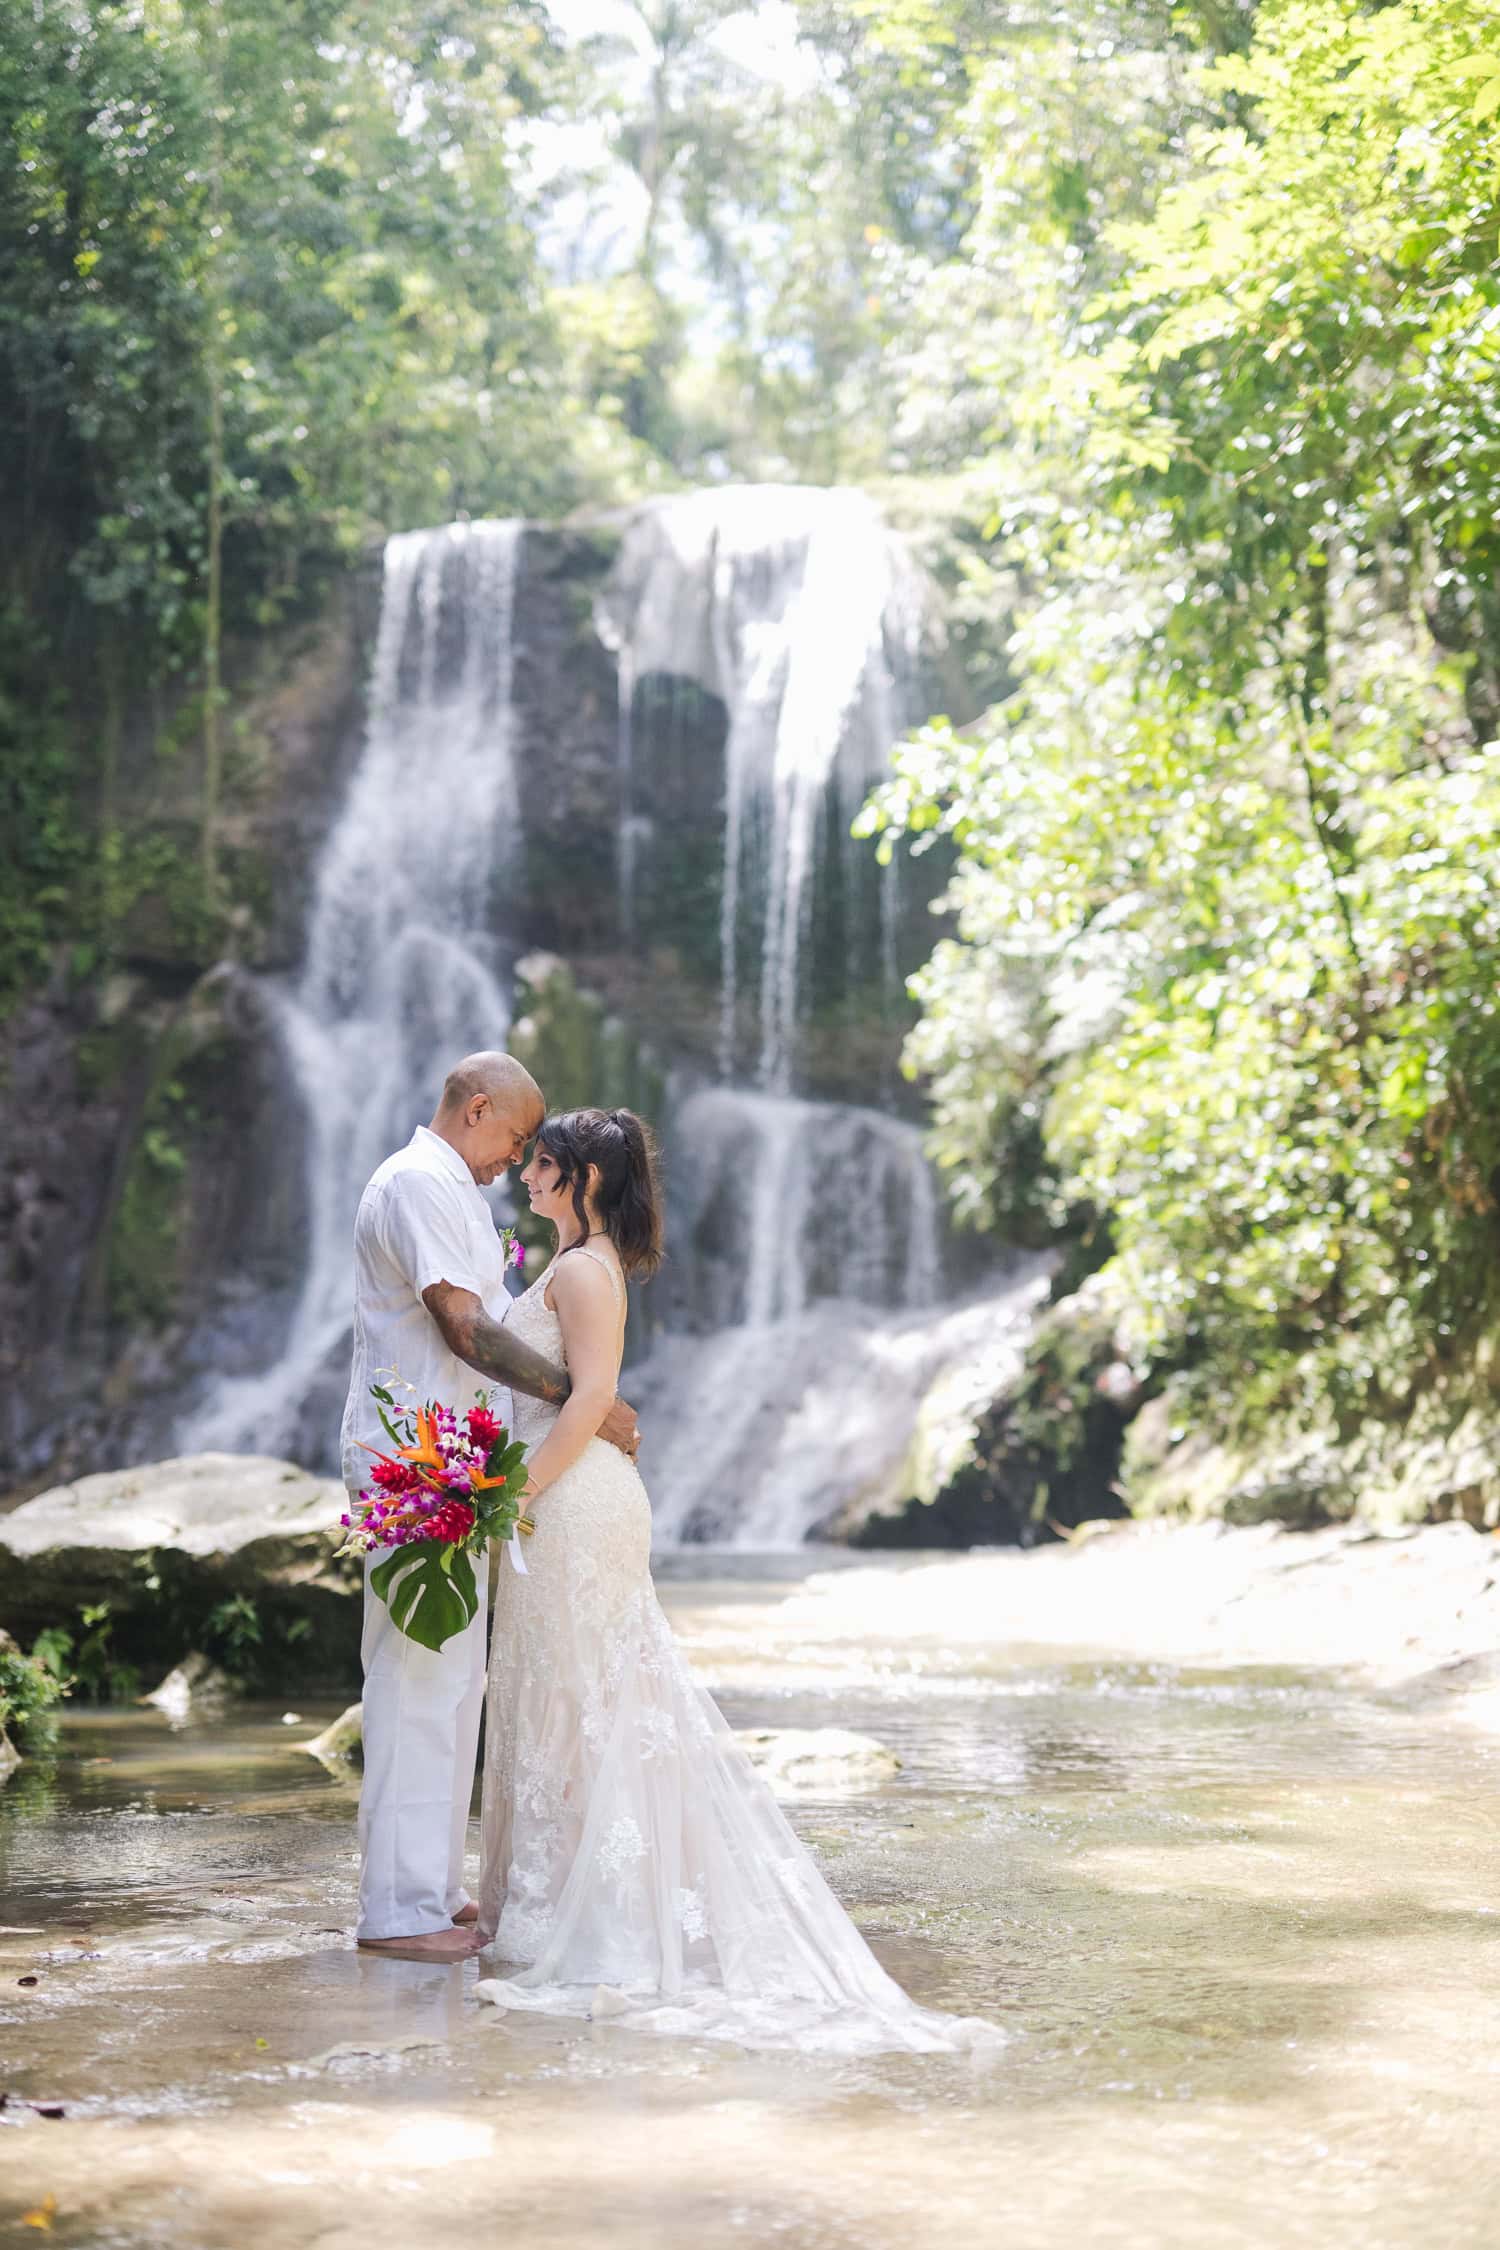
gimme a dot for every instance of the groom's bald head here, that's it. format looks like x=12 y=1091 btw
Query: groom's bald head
x=490 y=1108
x=497 y=1076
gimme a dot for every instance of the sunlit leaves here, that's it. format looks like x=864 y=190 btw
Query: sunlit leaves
x=1226 y=969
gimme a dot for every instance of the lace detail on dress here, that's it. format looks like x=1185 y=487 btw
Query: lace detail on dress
x=621 y=1848
x=627 y=1841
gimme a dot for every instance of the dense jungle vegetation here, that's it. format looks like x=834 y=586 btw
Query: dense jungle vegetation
x=1187 y=317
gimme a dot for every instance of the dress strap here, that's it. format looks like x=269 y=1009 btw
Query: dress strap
x=582 y=1250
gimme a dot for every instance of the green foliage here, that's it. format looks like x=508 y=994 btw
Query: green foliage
x=29 y=1688
x=146 y=1235
x=233 y=1629
x=39 y=840
x=266 y=281
x=105 y=1650
x=1227 y=946
x=81 y=1659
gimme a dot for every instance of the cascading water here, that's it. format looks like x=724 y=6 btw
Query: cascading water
x=805 y=1324
x=402 y=972
x=802 y=613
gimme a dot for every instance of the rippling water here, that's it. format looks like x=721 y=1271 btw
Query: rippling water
x=1242 y=1926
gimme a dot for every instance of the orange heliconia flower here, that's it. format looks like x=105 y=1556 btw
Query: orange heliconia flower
x=426 y=1452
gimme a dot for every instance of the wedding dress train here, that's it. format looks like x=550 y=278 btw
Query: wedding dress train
x=634 y=1863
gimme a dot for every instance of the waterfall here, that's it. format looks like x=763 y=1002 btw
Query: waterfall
x=808 y=1318
x=402 y=972
x=779 y=1202
x=803 y=1314
x=803 y=614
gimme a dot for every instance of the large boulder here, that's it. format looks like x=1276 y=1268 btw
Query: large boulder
x=166 y=1544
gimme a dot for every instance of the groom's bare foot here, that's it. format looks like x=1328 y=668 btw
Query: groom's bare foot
x=466 y=1917
x=427 y=1945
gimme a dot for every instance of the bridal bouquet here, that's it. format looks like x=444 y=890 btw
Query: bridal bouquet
x=447 y=1487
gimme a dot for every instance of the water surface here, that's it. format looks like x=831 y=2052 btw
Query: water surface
x=1241 y=1926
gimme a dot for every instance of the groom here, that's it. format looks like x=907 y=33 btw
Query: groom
x=430 y=1302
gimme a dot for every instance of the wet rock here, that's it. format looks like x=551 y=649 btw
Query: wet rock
x=213 y=1526
x=345 y=1739
x=824 y=1760
x=10 y=1756
x=1019 y=1439
x=371 y=2050
x=196 y=1686
x=1466 y=1681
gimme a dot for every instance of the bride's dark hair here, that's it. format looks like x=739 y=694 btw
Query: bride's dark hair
x=628 y=1202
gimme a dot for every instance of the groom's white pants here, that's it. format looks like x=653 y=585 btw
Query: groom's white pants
x=421 y=1730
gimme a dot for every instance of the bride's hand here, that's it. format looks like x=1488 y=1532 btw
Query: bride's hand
x=619 y=1429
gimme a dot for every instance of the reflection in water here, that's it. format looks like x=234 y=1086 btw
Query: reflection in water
x=1242 y=1923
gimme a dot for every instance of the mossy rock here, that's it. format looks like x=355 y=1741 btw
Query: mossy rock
x=1439 y=1464
x=1041 y=1459
x=191 y=1554
x=202 y=1163
x=577 y=1051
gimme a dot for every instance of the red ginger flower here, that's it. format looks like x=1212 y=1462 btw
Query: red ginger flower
x=483 y=1428
x=394 y=1476
x=453 y=1521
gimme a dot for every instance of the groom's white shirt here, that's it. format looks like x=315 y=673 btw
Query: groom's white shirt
x=421 y=1220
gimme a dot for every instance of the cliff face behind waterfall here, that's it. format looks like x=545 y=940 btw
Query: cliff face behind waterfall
x=631 y=748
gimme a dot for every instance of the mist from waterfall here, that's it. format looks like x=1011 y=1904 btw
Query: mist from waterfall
x=403 y=970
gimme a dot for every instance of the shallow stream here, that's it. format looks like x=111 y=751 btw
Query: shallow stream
x=1242 y=1926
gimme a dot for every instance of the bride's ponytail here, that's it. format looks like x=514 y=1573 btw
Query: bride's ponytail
x=634 y=1222
x=627 y=1204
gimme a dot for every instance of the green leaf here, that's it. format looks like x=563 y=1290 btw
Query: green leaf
x=462 y=1577
x=428 y=1601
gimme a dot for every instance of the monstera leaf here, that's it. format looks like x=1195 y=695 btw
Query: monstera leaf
x=429 y=1590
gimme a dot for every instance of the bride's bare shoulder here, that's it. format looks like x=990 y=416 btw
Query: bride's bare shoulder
x=580 y=1279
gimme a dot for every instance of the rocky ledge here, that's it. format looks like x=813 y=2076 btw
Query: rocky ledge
x=167 y=1546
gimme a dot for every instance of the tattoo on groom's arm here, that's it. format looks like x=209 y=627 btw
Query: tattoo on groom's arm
x=489 y=1346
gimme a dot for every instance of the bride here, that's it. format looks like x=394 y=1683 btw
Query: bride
x=634 y=1864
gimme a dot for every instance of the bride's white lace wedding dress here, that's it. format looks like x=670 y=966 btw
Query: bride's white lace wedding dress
x=634 y=1863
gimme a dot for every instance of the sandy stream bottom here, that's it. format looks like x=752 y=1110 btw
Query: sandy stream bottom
x=1241 y=1922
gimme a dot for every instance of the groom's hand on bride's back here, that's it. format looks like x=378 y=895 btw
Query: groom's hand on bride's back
x=619 y=1428
x=486 y=1344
